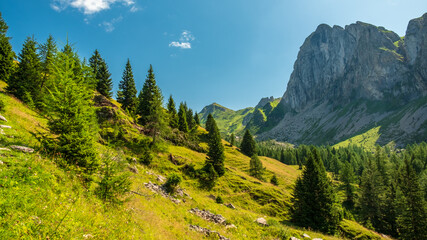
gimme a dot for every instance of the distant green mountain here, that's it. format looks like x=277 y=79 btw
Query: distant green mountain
x=230 y=121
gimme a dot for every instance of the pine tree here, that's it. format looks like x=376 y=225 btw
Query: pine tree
x=369 y=201
x=71 y=117
x=255 y=167
x=173 y=116
x=26 y=81
x=314 y=200
x=248 y=146
x=347 y=178
x=208 y=176
x=48 y=52
x=182 y=119
x=190 y=120
x=209 y=122
x=215 y=155
x=196 y=119
x=412 y=221
x=150 y=106
x=127 y=90
x=6 y=53
x=104 y=84
x=232 y=139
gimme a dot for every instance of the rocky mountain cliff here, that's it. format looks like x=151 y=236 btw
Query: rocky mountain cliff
x=348 y=80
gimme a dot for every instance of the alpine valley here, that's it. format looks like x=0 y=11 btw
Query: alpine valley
x=345 y=82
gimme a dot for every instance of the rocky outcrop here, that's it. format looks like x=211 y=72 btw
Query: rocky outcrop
x=348 y=80
x=3 y=118
x=261 y=221
x=207 y=215
x=207 y=232
x=22 y=149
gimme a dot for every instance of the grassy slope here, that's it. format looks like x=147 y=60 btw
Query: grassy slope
x=38 y=199
x=366 y=140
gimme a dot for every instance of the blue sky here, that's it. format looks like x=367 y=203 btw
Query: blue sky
x=233 y=52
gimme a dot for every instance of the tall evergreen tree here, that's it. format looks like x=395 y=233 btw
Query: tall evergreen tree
x=71 y=117
x=412 y=221
x=182 y=119
x=190 y=119
x=150 y=105
x=6 y=53
x=127 y=90
x=232 y=139
x=104 y=84
x=173 y=115
x=314 y=200
x=370 y=187
x=209 y=123
x=248 y=146
x=255 y=167
x=196 y=119
x=215 y=155
x=347 y=178
x=26 y=81
x=48 y=52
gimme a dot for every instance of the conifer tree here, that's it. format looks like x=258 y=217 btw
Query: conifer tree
x=255 y=167
x=248 y=146
x=182 y=119
x=232 y=139
x=71 y=117
x=150 y=106
x=104 y=84
x=274 y=180
x=126 y=95
x=208 y=176
x=6 y=53
x=369 y=201
x=215 y=155
x=314 y=200
x=347 y=178
x=209 y=123
x=196 y=119
x=173 y=115
x=26 y=81
x=412 y=221
x=190 y=119
x=48 y=52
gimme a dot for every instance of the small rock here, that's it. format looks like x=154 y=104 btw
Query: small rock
x=261 y=221
x=230 y=206
x=5 y=126
x=212 y=197
x=133 y=169
x=207 y=232
x=317 y=239
x=22 y=148
x=305 y=235
x=4 y=149
x=161 y=179
x=3 y=118
x=205 y=214
x=1 y=162
x=230 y=226
x=86 y=236
x=294 y=238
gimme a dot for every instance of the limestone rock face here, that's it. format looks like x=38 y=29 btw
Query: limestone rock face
x=348 y=80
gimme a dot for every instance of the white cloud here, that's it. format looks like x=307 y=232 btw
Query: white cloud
x=90 y=6
x=183 y=45
x=109 y=26
x=184 y=40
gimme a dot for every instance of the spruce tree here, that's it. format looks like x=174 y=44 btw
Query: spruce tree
x=173 y=116
x=26 y=81
x=6 y=53
x=255 y=167
x=248 y=146
x=347 y=178
x=369 y=201
x=232 y=139
x=209 y=122
x=196 y=119
x=182 y=119
x=126 y=95
x=150 y=106
x=215 y=155
x=412 y=220
x=48 y=52
x=314 y=200
x=190 y=119
x=71 y=116
x=104 y=84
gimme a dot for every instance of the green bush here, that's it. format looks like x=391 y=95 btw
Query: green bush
x=2 y=105
x=173 y=181
x=219 y=200
x=146 y=157
x=274 y=180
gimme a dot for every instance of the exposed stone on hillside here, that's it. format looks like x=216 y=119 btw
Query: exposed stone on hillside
x=264 y=101
x=5 y=126
x=161 y=190
x=230 y=206
x=205 y=214
x=22 y=148
x=261 y=221
x=3 y=118
x=207 y=232
x=4 y=149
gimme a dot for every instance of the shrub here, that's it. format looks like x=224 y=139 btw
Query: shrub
x=173 y=181
x=219 y=200
x=2 y=105
x=274 y=180
x=146 y=157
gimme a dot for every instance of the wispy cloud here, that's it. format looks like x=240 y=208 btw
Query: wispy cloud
x=109 y=25
x=184 y=41
x=90 y=6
